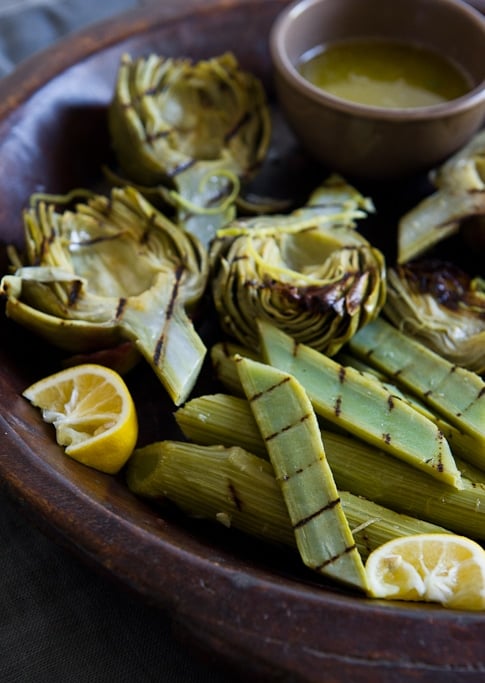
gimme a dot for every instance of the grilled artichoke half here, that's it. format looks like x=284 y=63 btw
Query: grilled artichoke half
x=459 y=197
x=309 y=272
x=112 y=269
x=191 y=131
x=442 y=307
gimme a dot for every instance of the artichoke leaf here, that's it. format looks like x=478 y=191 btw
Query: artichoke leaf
x=459 y=196
x=465 y=169
x=193 y=130
x=124 y=271
x=308 y=272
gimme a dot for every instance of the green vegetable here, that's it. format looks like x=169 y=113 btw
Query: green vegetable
x=114 y=268
x=356 y=466
x=191 y=132
x=442 y=307
x=458 y=198
x=460 y=442
x=456 y=394
x=290 y=431
x=362 y=406
x=308 y=272
x=239 y=490
x=225 y=371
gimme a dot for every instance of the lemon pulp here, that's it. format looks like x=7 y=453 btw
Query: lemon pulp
x=93 y=414
x=442 y=568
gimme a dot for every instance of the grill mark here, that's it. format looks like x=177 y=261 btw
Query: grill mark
x=96 y=240
x=338 y=406
x=257 y=396
x=341 y=374
x=330 y=560
x=287 y=428
x=329 y=506
x=233 y=495
x=245 y=118
x=183 y=167
x=440 y=437
x=122 y=301
x=390 y=403
x=161 y=340
x=387 y=438
x=74 y=292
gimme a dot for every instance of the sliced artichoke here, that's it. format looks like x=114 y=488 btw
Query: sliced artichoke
x=309 y=272
x=191 y=131
x=114 y=268
x=442 y=307
x=459 y=197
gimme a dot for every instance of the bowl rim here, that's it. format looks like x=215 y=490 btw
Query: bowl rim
x=286 y=69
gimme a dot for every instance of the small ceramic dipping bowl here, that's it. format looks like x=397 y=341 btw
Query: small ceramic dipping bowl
x=376 y=142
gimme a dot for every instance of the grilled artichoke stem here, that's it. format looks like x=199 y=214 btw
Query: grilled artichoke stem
x=360 y=405
x=222 y=358
x=454 y=393
x=114 y=265
x=289 y=428
x=239 y=490
x=357 y=467
x=308 y=272
x=194 y=130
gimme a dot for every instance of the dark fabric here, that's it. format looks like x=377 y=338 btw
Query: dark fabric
x=59 y=621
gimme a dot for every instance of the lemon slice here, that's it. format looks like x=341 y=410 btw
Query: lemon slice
x=93 y=413
x=443 y=568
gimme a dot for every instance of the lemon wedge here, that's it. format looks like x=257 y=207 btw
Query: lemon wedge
x=93 y=413
x=442 y=568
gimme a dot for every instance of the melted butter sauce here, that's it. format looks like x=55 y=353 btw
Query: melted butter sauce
x=382 y=73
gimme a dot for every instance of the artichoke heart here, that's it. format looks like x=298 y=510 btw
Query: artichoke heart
x=310 y=272
x=442 y=307
x=458 y=198
x=191 y=131
x=113 y=268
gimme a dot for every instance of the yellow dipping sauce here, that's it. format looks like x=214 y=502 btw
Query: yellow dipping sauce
x=382 y=73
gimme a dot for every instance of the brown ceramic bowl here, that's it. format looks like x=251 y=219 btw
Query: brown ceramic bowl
x=374 y=142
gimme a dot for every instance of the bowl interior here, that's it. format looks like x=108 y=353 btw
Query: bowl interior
x=448 y=27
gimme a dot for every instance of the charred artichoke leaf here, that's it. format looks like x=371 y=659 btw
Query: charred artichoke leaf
x=442 y=307
x=193 y=129
x=308 y=272
x=113 y=268
x=459 y=196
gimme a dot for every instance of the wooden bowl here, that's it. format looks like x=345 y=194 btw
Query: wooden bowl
x=253 y=608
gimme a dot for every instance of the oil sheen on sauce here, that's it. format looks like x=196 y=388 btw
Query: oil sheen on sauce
x=382 y=73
